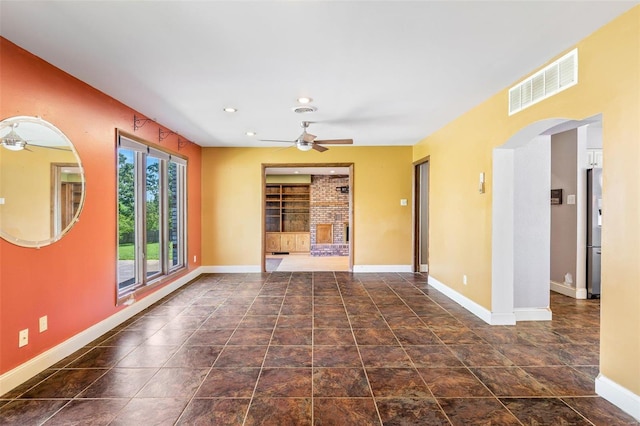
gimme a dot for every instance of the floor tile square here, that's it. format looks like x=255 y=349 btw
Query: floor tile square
x=345 y=411
x=340 y=382
x=384 y=356
x=397 y=382
x=410 y=411
x=229 y=383
x=288 y=356
x=214 y=411
x=284 y=382
x=476 y=411
x=279 y=412
x=241 y=356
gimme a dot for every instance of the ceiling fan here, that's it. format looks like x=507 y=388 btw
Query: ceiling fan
x=14 y=142
x=306 y=141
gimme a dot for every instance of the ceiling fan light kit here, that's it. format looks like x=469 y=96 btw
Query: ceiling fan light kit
x=13 y=142
x=304 y=145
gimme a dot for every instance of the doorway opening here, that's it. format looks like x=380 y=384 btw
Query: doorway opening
x=66 y=195
x=421 y=215
x=521 y=223
x=307 y=217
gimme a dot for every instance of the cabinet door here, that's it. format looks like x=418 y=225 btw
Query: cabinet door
x=272 y=242
x=288 y=242
x=303 y=242
x=597 y=158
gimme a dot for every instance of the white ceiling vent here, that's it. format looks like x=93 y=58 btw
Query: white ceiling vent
x=550 y=80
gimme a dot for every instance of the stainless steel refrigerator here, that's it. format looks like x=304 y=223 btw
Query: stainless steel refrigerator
x=594 y=228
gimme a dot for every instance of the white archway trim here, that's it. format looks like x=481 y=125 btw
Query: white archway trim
x=517 y=267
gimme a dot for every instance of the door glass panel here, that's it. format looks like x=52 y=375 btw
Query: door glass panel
x=126 y=219
x=173 y=218
x=153 y=209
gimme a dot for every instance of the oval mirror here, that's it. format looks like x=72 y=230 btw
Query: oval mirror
x=41 y=182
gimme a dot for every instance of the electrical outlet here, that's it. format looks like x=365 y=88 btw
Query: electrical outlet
x=23 y=338
x=195 y=259
x=464 y=279
x=44 y=324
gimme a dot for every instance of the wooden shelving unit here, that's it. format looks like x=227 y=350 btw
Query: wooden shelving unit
x=287 y=218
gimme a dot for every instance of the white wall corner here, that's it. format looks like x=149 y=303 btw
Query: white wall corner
x=382 y=268
x=502 y=233
x=27 y=370
x=230 y=269
x=619 y=396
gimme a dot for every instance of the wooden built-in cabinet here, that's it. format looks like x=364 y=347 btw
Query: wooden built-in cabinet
x=287 y=218
x=289 y=242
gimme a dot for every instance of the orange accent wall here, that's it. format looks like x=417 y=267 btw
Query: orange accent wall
x=72 y=281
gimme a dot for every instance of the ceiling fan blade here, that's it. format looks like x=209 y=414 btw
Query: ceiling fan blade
x=275 y=140
x=50 y=147
x=308 y=137
x=336 y=141
x=319 y=148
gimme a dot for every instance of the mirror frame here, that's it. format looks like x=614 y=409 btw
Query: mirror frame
x=10 y=121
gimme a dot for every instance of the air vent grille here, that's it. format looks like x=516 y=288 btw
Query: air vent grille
x=304 y=109
x=550 y=80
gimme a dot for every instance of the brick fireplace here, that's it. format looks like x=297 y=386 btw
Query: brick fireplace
x=329 y=206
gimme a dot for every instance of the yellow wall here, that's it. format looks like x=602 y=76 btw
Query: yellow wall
x=25 y=184
x=232 y=201
x=460 y=218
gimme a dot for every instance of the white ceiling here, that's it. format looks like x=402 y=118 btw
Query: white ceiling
x=382 y=73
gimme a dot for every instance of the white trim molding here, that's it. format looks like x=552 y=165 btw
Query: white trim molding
x=491 y=318
x=476 y=309
x=34 y=366
x=532 y=314
x=230 y=269
x=619 y=396
x=567 y=290
x=382 y=268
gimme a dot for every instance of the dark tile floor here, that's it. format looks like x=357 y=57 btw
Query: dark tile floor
x=324 y=349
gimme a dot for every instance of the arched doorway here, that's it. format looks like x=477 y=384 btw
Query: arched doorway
x=521 y=222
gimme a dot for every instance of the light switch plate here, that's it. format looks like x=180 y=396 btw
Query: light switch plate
x=403 y=202
x=571 y=199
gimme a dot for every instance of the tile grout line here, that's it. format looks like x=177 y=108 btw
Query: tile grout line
x=353 y=335
x=264 y=359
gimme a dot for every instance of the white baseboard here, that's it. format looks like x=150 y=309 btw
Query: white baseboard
x=532 y=314
x=502 y=318
x=27 y=370
x=476 y=309
x=382 y=268
x=230 y=269
x=619 y=396
x=567 y=290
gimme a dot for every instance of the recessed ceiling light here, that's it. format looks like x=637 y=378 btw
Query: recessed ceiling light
x=304 y=100
x=250 y=133
x=332 y=171
x=296 y=172
x=230 y=109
